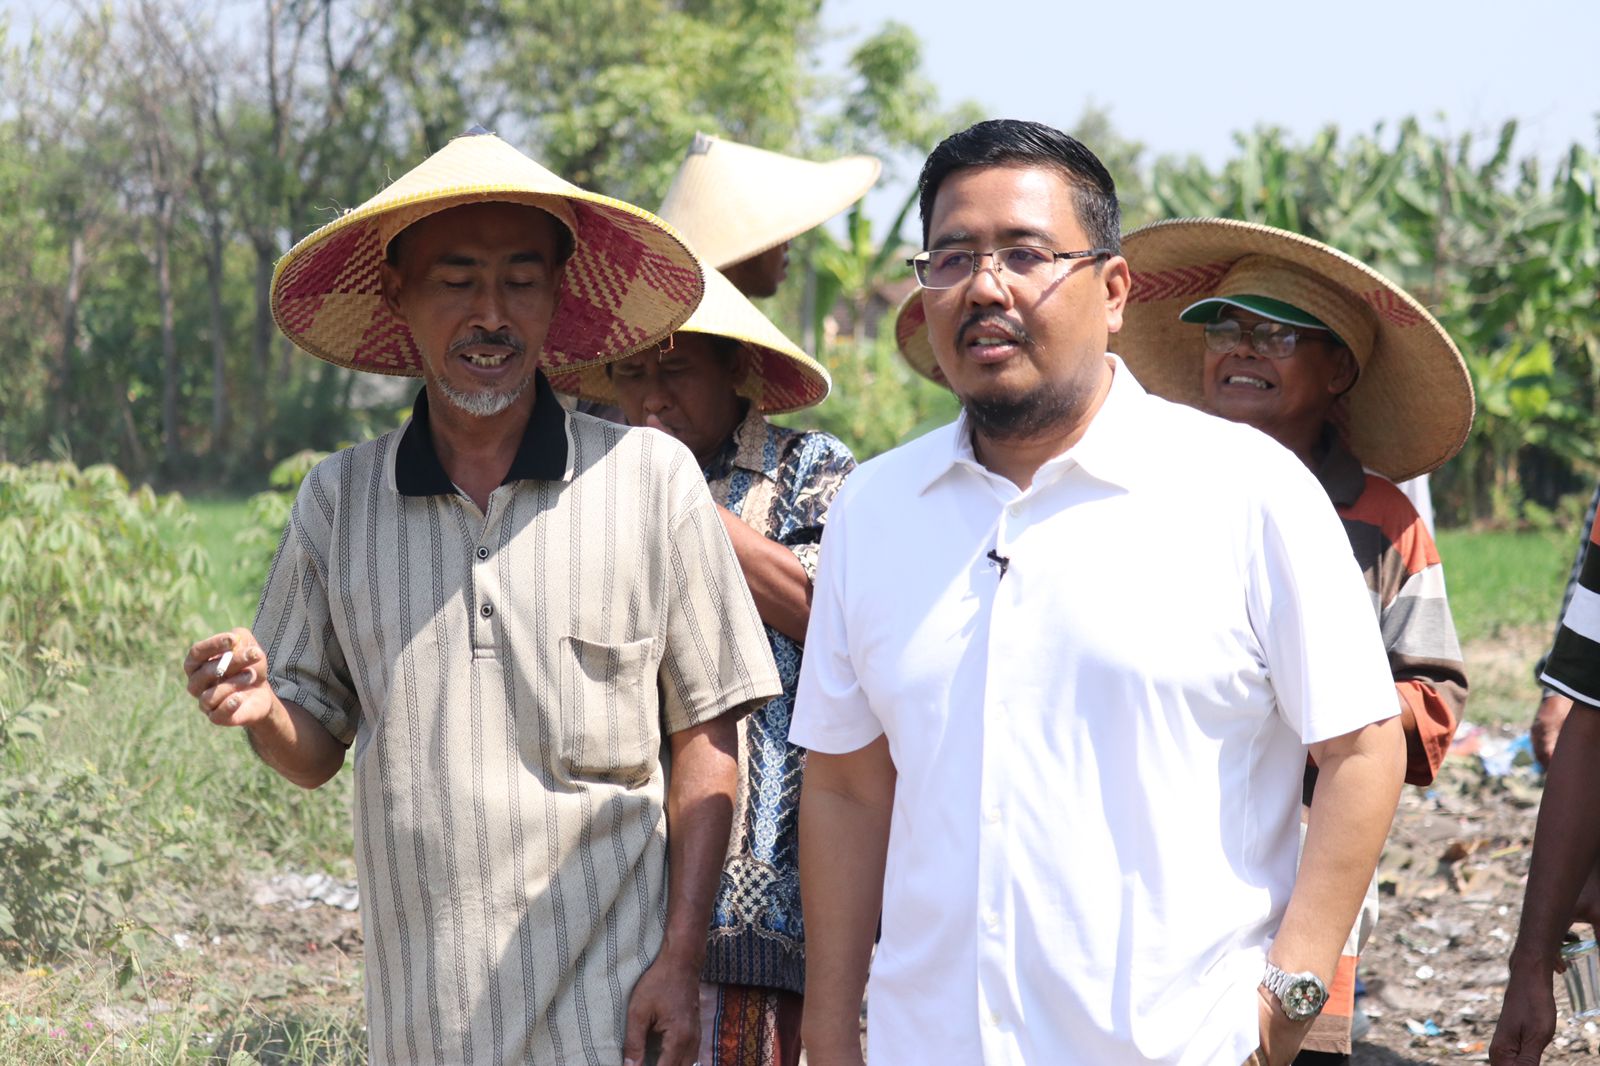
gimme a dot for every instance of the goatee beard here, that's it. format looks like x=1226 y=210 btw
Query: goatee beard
x=484 y=403
x=1032 y=414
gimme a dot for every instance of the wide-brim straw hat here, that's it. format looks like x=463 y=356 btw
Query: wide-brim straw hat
x=781 y=378
x=1412 y=404
x=630 y=281
x=911 y=338
x=733 y=201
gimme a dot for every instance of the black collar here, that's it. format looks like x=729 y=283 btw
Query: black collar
x=542 y=455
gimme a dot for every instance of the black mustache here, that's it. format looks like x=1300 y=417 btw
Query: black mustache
x=1011 y=329
x=500 y=339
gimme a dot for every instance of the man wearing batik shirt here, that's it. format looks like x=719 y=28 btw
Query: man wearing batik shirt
x=711 y=388
x=1566 y=844
x=1268 y=328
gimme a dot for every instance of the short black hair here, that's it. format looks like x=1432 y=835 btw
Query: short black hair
x=564 y=242
x=1000 y=142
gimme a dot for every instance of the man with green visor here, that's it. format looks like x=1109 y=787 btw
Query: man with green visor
x=1346 y=370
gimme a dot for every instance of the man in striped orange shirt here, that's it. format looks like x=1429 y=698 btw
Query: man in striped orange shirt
x=1340 y=366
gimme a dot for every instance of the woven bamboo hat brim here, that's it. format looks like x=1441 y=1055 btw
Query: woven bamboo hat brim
x=733 y=201
x=782 y=377
x=911 y=337
x=631 y=280
x=1412 y=405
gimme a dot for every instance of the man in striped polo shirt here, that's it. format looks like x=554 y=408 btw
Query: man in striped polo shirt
x=507 y=612
x=1285 y=334
x=711 y=388
x=1566 y=843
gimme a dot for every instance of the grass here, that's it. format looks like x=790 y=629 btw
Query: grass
x=1505 y=592
x=237 y=572
x=1500 y=580
x=207 y=820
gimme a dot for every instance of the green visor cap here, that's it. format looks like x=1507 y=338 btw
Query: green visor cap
x=1208 y=310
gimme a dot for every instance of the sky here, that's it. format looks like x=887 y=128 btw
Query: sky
x=1182 y=77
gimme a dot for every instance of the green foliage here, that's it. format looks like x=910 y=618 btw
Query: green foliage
x=877 y=401
x=65 y=864
x=1500 y=579
x=90 y=567
x=92 y=572
x=269 y=511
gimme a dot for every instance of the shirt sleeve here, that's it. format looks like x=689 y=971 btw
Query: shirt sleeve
x=822 y=462
x=1572 y=579
x=716 y=657
x=1312 y=613
x=1425 y=660
x=1573 y=667
x=294 y=621
x=831 y=713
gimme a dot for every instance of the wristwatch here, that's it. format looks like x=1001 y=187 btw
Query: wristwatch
x=1301 y=994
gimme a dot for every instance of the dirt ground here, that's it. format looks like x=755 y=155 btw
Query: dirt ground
x=1451 y=882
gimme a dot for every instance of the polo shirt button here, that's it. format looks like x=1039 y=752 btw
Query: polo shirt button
x=487 y=610
x=994 y=816
x=483 y=553
x=994 y=1018
x=991 y=920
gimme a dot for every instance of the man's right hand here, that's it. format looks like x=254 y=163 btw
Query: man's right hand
x=241 y=696
x=1527 y=1018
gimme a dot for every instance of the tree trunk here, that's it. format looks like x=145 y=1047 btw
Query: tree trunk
x=169 y=341
x=219 y=340
x=69 y=332
x=261 y=342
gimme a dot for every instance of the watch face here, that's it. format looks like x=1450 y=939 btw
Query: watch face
x=1303 y=999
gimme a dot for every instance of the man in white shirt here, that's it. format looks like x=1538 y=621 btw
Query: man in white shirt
x=1066 y=659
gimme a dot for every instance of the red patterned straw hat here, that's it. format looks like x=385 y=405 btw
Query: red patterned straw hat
x=782 y=377
x=911 y=337
x=629 y=283
x=1410 y=408
x=733 y=201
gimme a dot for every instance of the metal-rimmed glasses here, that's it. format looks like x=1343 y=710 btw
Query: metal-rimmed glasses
x=945 y=268
x=1271 y=340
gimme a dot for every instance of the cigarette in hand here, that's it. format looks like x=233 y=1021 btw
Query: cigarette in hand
x=224 y=662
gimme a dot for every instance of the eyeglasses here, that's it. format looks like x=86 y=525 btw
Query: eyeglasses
x=945 y=268
x=1273 y=340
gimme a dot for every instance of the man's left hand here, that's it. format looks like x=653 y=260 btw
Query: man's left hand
x=666 y=1002
x=1280 y=1038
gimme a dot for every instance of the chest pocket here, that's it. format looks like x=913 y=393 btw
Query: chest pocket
x=609 y=718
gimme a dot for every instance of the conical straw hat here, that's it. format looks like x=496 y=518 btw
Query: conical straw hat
x=733 y=201
x=1410 y=408
x=630 y=281
x=911 y=338
x=781 y=378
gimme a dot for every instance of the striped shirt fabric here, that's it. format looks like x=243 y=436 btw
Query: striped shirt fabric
x=506 y=681
x=1405 y=577
x=1573 y=667
x=1572 y=580
x=1401 y=563
x=780 y=481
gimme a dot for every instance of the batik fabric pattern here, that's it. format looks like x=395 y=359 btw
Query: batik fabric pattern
x=781 y=482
